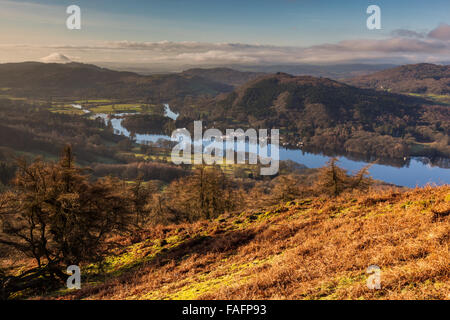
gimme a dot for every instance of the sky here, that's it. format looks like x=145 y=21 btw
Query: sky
x=177 y=33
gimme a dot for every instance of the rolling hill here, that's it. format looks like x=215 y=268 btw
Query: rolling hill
x=337 y=71
x=423 y=78
x=294 y=97
x=304 y=249
x=44 y=80
x=320 y=112
x=334 y=116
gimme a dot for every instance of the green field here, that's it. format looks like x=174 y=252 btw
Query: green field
x=116 y=108
x=88 y=101
x=229 y=168
x=66 y=109
x=6 y=96
x=95 y=105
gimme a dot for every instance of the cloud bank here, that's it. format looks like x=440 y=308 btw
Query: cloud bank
x=403 y=46
x=442 y=32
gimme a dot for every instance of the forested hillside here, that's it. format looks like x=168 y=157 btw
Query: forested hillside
x=423 y=78
x=331 y=115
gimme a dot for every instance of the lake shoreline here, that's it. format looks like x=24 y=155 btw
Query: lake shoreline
x=409 y=172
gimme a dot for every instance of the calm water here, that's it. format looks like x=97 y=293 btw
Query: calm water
x=415 y=173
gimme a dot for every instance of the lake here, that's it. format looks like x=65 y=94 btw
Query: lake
x=413 y=173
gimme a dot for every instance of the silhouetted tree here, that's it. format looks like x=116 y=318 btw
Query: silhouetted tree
x=56 y=215
x=141 y=194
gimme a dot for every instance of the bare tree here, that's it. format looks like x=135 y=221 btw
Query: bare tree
x=334 y=180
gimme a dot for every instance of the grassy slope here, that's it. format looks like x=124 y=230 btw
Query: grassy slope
x=305 y=249
x=437 y=98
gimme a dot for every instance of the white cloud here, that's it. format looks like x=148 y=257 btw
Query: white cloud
x=442 y=32
x=407 y=33
x=405 y=47
x=223 y=53
x=393 y=45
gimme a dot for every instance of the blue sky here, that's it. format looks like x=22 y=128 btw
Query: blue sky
x=282 y=23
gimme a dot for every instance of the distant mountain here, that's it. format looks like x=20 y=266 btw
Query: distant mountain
x=338 y=71
x=45 y=80
x=423 y=78
x=223 y=75
x=55 y=58
x=333 y=71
